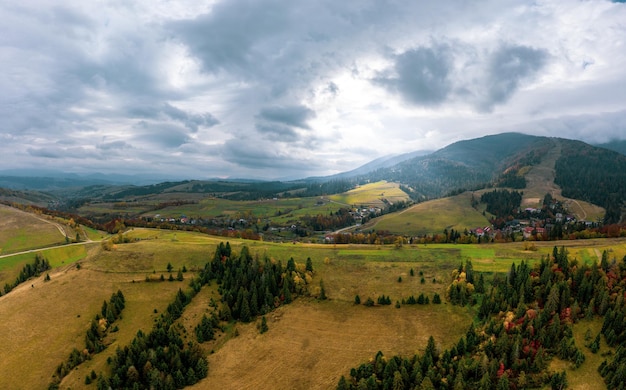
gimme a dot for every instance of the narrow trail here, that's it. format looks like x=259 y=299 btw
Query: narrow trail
x=55 y=224
x=45 y=248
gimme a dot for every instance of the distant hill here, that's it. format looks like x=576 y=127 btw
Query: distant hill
x=585 y=172
x=26 y=197
x=379 y=163
x=464 y=164
x=47 y=180
x=617 y=146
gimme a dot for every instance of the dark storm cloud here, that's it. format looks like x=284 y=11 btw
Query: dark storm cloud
x=191 y=121
x=421 y=75
x=167 y=111
x=296 y=116
x=162 y=135
x=507 y=68
x=277 y=132
x=231 y=36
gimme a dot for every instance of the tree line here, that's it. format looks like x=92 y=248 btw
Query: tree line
x=94 y=338
x=30 y=270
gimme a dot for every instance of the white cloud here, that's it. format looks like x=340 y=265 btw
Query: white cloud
x=280 y=88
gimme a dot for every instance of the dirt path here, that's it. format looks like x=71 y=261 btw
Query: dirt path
x=44 y=249
x=55 y=224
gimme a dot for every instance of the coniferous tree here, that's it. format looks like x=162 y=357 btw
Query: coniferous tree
x=264 y=328
x=322 y=291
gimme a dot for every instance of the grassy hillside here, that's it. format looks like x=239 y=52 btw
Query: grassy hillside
x=21 y=231
x=309 y=344
x=432 y=217
x=372 y=194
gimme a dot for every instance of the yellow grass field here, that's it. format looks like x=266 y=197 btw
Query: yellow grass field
x=309 y=344
x=372 y=194
x=432 y=217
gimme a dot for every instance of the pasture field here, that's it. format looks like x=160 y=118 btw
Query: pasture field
x=280 y=211
x=11 y=266
x=372 y=194
x=310 y=344
x=21 y=231
x=432 y=217
x=585 y=377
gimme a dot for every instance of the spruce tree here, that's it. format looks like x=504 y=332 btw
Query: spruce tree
x=322 y=291
x=245 y=314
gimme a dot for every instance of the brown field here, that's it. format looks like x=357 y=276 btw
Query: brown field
x=309 y=344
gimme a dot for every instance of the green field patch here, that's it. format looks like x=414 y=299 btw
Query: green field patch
x=11 y=266
x=432 y=217
x=478 y=252
x=94 y=234
x=586 y=376
x=21 y=231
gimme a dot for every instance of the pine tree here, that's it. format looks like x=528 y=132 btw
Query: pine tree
x=343 y=384
x=322 y=291
x=245 y=314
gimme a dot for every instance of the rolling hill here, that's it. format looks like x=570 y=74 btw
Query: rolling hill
x=583 y=172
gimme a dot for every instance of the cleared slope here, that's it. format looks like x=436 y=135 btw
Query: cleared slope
x=434 y=216
x=372 y=194
x=540 y=181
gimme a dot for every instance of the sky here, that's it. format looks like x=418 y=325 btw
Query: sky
x=277 y=89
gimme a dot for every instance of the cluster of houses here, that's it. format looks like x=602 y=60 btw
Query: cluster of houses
x=533 y=227
x=359 y=214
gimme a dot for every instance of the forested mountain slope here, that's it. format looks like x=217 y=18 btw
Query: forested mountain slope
x=617 y=146
x=593 y=174
x=465 y=164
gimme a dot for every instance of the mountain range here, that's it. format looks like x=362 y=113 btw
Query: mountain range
x=596 y=174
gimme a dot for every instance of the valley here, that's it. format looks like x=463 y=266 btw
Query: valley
x=366 y=241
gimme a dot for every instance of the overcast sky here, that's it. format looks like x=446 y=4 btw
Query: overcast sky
x=284 y=88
